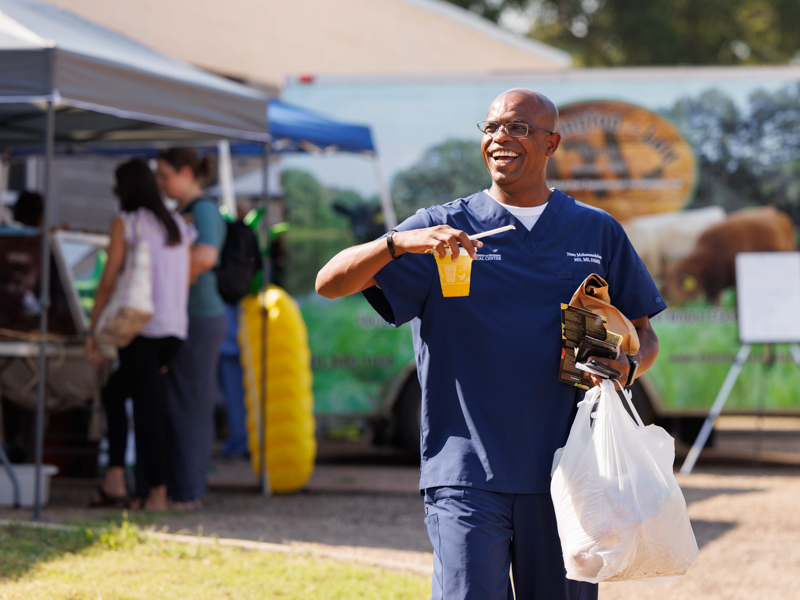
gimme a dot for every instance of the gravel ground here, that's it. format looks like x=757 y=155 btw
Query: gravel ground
x=745 y=518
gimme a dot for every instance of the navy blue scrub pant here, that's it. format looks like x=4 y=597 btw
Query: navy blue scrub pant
x=478 y=536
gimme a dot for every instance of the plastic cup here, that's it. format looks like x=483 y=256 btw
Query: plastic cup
x=455 y=275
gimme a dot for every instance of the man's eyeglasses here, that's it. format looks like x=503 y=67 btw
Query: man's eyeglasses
x=516 y=130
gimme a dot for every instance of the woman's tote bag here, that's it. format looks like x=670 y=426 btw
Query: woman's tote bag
x=131 y=302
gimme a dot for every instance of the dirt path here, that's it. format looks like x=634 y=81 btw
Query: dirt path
x=745 y=519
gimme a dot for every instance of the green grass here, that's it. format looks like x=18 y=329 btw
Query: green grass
x=123 y=563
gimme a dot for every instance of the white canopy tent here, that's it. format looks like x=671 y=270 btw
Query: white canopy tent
x=65 y=80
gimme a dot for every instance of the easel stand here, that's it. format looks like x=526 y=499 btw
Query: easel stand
x=719 y=403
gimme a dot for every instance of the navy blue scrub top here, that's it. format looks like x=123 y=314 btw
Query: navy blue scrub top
x=493 y=411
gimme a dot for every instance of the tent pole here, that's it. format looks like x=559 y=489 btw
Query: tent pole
x=225 y=171
x=262 y=438
x=389 y=218
x=4 y=166
x=44 y=305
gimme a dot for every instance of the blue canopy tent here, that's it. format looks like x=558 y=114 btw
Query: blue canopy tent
x=293 y=129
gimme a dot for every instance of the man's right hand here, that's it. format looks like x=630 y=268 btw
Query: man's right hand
x=354 y=269
x=435 y=239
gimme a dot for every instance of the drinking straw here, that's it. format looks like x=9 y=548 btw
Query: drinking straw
x=478 y=236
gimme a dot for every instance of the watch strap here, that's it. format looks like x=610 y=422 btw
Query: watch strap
x=634 y=367
x=390 y=244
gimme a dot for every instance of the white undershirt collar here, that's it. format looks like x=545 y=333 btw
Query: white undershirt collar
x=527 y=215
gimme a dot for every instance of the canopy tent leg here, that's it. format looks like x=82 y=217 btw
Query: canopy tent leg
x=44 y=305
x=795 y=350
x=262 y=426
x=226 y=178
x=389 y=218
x=4 y=166
x=12 y=476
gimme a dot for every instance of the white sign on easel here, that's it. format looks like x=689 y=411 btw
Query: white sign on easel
x=768 y=299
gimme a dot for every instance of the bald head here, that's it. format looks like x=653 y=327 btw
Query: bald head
x=538 y=106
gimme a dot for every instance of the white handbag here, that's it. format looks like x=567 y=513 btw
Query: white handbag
x=131 y=302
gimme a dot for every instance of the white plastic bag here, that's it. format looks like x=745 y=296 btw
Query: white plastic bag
x=620 y=512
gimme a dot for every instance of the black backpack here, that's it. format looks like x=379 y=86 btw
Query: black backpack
x=240 y=260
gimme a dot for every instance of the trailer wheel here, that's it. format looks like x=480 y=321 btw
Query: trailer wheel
x=407 y=417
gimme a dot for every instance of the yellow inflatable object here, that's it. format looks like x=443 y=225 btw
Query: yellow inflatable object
x=291 y=445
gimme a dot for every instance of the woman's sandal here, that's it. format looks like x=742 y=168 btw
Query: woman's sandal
x=101 y=499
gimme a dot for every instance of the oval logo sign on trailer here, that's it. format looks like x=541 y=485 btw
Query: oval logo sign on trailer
x=622 y=158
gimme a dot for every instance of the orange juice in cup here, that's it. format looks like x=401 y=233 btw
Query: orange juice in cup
x=454 y=275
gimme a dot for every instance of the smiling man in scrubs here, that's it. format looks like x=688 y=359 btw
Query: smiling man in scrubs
x=493 y=412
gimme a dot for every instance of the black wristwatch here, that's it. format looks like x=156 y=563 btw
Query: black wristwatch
x=634 y=366
x=390 y=244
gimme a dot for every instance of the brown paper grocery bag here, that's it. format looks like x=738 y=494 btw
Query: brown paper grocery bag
x=592 y=295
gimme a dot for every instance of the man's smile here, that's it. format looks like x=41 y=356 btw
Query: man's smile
x=503 y=157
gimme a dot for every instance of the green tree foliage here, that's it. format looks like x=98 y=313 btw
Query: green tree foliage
x=317 y=231
x=308 y=204
x=490 y=9
x=446 y=172
x=749 y=156
x=659 y=32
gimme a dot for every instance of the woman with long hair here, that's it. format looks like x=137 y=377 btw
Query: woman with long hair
x=192 y=379
x=143 y=362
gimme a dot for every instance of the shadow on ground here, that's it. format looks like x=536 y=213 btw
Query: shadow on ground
x=706 y=532
x=22 y=548
x=699 y=494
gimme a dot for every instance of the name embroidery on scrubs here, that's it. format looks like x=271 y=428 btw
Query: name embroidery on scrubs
x=585 y=257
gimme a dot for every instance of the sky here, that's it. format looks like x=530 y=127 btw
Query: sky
x=409 y=116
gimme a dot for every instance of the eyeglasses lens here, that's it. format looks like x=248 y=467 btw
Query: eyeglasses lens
x=512 y=129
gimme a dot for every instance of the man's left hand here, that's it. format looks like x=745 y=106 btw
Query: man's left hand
x=621 y=364
x=646 y=356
